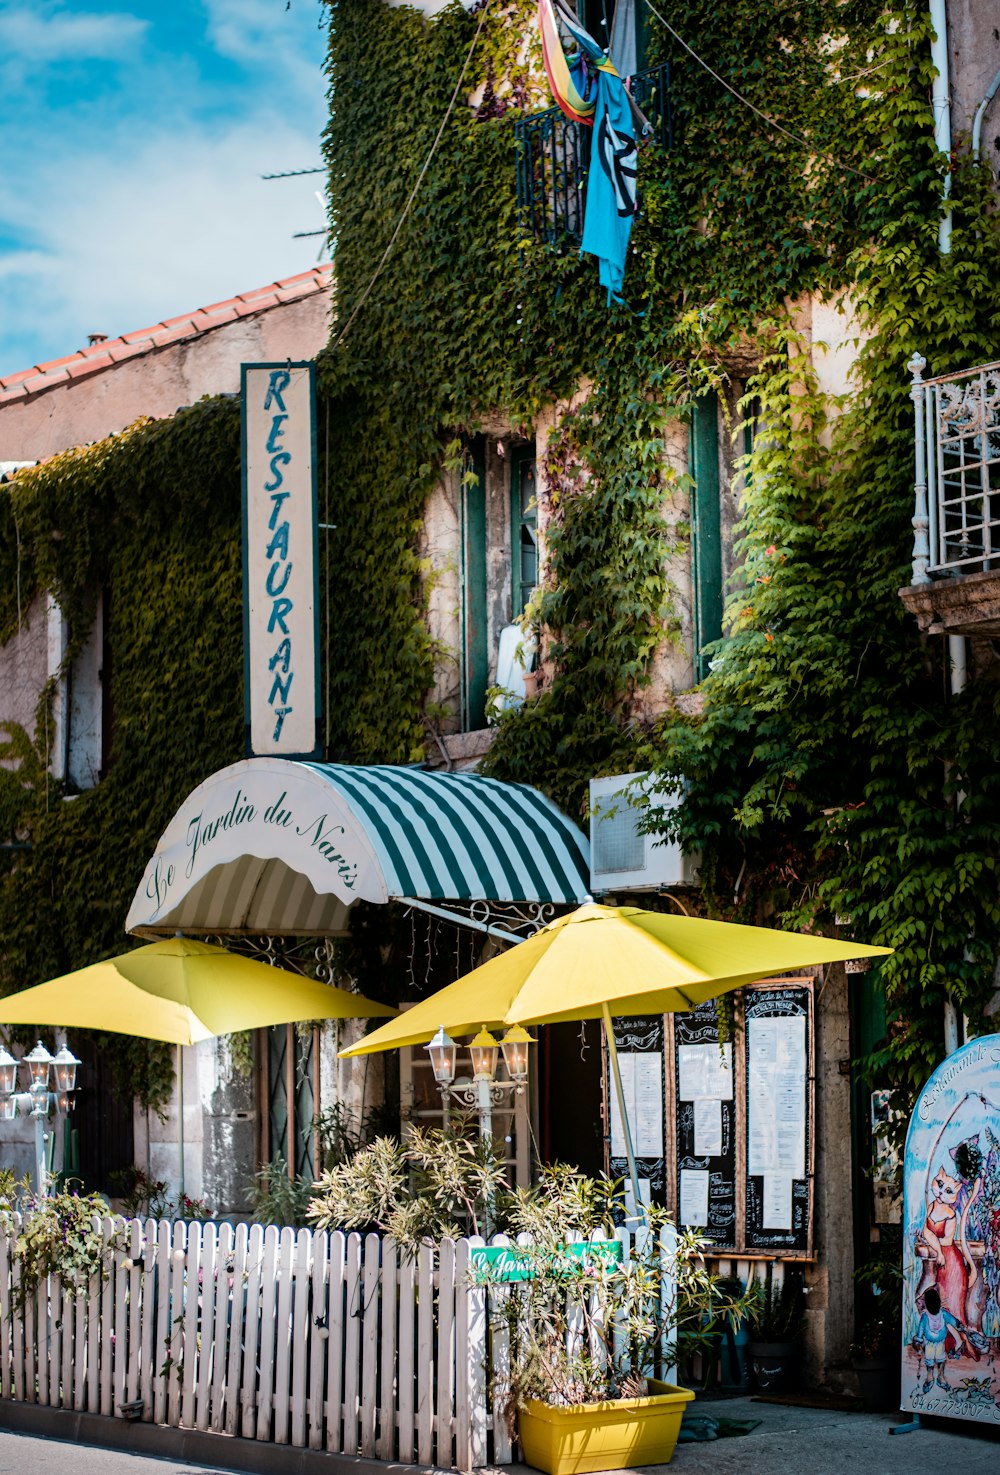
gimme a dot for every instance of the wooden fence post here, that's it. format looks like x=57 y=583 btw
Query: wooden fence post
x=388 y=1389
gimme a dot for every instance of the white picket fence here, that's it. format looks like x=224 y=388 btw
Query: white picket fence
x=321 y=1341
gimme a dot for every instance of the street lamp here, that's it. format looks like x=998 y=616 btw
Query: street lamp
x=38 y=1099
x=483 y=1091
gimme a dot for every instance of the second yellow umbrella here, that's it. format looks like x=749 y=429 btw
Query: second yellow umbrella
x=601 y=961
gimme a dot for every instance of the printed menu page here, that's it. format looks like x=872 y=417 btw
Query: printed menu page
x=705 y=1072
x=776 y=1060
x=642 y=1087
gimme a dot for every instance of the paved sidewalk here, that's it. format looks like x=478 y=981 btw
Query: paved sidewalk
x=789 y=1441
x=26 y=1454
x=814 y=1441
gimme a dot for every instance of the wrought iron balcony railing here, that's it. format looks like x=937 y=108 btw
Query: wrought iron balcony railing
x=956 y=521
x=553 y=155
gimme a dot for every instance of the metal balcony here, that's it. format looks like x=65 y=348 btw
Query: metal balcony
x=553 y=156
x=956 y=518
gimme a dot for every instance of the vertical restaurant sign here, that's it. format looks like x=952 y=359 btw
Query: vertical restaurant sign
x=280 y=566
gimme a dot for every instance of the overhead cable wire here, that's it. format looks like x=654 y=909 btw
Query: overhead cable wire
x=419 y=181
x=771 y=122
x=295 y=173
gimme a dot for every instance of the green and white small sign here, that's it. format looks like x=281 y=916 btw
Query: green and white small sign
x=510 y=1263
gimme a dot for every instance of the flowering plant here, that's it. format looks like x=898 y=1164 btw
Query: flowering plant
x=59 y=1234
x=144 y=1197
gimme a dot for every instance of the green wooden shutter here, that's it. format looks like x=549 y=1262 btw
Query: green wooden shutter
x=523 y=529
x=706 y=528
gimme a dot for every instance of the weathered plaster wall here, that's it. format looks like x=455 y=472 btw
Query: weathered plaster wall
x=361 y=1084
x=159 y=382
x=440 y=545
x=671 y=669
x=24 y=666
x=974 y=58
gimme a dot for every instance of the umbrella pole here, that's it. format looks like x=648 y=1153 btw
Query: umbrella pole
x=180 y=1121
x=616 y=1074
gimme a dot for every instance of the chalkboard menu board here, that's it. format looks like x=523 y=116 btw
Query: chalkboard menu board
x=705 y=1129
x=778 y=1060
x=723 y=1131
x=739 y=1117
x=640 y=1059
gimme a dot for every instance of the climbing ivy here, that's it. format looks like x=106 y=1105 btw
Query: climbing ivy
x=465 y=321
x=827 y=775
x=830 y=776
x=820 y=776
x=151 y=518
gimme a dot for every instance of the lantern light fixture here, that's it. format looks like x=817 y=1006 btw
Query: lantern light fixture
x=8 y=1072
x=484 y=1050
x=64 y=1064
x=443 y=1051
x=38 y=1062
x=38 y=1100
x=515 y=1053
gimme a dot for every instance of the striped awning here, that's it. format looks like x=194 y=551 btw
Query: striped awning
x=272 y=845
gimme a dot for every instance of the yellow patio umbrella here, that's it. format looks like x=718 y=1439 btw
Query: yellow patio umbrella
x=181 y=991
x=601 y=961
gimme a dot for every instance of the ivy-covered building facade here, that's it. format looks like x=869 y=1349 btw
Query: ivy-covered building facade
x=693 y=506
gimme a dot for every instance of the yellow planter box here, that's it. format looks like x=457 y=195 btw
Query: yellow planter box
x=615 y=1435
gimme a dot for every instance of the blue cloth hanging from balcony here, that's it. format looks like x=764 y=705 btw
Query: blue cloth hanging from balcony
x=583 y=80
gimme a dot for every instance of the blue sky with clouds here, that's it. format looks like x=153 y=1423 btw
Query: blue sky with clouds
x=134 y=138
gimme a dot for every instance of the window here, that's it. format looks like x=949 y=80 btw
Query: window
x=81 y=735
x=475 y=654
x=421 y=1106
x=600 y=16
x=524 y=529
x=289 y=1091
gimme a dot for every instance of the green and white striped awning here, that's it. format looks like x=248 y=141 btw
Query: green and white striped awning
x=272 y=845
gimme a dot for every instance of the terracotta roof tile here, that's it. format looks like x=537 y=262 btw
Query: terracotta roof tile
x=18 y=378
x=140 y=335
x=98 y=356
x=82 y=367
x=53 y=364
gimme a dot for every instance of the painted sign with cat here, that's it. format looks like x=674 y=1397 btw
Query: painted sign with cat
x=951 y=1240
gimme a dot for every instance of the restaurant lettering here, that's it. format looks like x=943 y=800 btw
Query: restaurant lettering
x=280 y=559
x=320 y=835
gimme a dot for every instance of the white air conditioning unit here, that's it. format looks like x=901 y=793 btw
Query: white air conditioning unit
x=621 y=857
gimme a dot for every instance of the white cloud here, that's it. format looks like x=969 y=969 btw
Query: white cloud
x=264 y=34
x=137 y=196
x=40 y=36
x=179 y=222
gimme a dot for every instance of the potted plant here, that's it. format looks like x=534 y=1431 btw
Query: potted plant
x=592 y=1334
x=875 y=1352
x=774 y=1317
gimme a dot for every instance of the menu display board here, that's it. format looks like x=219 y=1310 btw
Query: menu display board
x=723 y=1129
x=705 y=1126
x=639 y=1043
x=778 y=1056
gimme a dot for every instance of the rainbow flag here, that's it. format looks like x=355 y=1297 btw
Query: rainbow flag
x=571 y=78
